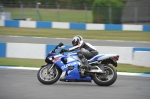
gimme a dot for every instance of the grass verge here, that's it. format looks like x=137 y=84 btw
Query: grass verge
x=87 y=34
x=63 y=15
x=40 y=62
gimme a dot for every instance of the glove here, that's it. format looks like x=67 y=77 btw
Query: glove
x=64 y=50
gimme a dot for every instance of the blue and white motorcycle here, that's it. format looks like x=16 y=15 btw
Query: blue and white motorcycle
x=67 y=67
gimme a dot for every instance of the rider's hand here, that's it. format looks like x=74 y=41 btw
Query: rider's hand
x=64 y=50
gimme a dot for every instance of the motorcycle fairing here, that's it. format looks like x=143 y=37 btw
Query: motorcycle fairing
x=95 y=58
x=70 y=74
x=102 y=57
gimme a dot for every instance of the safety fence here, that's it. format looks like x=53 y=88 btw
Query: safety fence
x=134 y=12
x=128 y=55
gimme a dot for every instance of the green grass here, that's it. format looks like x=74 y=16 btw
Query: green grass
x=40 y=62
x=63 y=15
x=87 y=34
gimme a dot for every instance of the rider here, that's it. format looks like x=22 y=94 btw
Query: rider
x=86 y=50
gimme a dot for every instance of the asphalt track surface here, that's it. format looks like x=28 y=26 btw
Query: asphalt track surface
x=68 y=41
x=23 y=84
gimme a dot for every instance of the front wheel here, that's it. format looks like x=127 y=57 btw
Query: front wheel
x=106 y=79
x=48 y=77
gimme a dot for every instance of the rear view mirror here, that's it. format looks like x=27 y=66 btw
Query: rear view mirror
x=60 y=44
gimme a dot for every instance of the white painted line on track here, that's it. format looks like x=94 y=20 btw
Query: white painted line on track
x=118 y=73
x=20 y=67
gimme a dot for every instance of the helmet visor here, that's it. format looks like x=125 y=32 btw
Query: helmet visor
x=74 y=43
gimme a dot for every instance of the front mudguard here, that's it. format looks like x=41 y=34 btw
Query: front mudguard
x=44 y=65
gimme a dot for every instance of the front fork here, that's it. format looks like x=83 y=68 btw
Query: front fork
x=49 y=67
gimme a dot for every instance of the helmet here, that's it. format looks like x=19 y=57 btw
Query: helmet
x=76 y=40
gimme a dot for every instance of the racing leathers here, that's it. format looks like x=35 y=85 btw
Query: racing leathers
x=86 y=51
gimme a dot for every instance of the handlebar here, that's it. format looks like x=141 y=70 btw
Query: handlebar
x=60 y=45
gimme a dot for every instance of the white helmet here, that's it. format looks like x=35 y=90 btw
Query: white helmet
x=76 y=40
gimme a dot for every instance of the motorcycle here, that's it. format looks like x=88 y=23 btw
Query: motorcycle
x=66 y=66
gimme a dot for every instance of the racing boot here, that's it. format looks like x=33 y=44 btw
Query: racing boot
x=85 y=65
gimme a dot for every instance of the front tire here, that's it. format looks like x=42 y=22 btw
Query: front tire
x=48 y=78
x=106 y=79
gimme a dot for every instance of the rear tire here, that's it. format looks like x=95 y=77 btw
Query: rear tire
x=106 y=79
x=50 y=78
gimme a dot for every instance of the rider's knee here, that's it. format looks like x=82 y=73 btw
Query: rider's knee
x=80 y=55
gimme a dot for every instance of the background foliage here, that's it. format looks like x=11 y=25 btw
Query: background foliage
x=107 y=9
x=103 y=11
x=67 y=2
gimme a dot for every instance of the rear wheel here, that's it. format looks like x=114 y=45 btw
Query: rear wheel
x=106 y=79
x=48 y=77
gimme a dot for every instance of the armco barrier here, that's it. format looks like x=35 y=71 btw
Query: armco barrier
x=128 y=55
x=78 y=26
x=2 y=49
x=141 y=58
x=25 y=50
x=124 y=52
